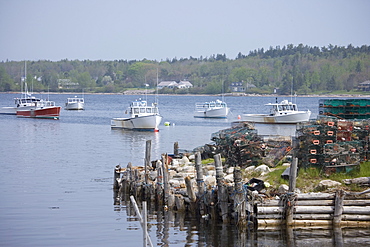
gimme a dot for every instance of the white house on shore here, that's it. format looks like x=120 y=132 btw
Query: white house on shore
x=174 y=84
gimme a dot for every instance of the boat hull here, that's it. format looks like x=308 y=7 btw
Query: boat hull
x=8 y=110
x=212 y=113
x=75 y=106
x=47 y=112
x=296 y=117
x=146 y=123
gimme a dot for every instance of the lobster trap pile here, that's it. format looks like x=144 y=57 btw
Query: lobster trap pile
x=333 y=144
x=345 y=108
x=242 y=146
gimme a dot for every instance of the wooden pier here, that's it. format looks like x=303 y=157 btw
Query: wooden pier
x=176 y=184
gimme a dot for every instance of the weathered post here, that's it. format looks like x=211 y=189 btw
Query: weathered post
x=145 y=225
x=191 y=193
x=166 y=186
x=222 y=194
x=148 y=148
x=176 y=149
x=240 y=197
x=146 y=192
x=116 y=177
x=159 y=185
x=338 y=207
x=289 y=207
x=293 y=175
x=200 y=182
x=129 y=177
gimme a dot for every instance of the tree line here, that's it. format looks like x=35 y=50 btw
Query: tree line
x=299 y=69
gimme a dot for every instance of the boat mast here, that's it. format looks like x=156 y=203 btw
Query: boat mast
x=156 y=95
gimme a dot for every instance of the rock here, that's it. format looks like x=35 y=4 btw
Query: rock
x=230 y=170
x=249 y=169
x=263 y=169
x=325 y=184
x=229 y=178
x=184 y=161
x=283 y=188
x=192 y=157
x=210 y=181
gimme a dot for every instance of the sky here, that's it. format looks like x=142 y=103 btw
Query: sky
x=167 y=29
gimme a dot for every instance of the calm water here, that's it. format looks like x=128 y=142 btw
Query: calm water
x=56 y=179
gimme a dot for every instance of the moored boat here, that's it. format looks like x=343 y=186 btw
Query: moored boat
x=26 y=101
x=75 y=103
x=212 y=109
x=40 y=109
x=280 y=113
x=141 y=117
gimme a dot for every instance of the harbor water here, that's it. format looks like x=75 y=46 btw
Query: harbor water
x=56 y=175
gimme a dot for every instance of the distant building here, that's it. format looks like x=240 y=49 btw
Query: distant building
x=184 y=84
x=364 y=86
x=67 y=84
x=240 y=87
x=173 y=84
x=167 y=84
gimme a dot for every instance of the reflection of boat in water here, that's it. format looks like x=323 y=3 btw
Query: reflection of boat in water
x=141 y=117
x=212 y=109
x=75 y=103
x=283 y=112
x=40 y=109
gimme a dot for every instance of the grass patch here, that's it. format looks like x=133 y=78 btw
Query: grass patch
x=309 y=178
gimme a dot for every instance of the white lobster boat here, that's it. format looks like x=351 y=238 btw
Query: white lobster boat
x=141 y=117
x=284 y=112
x=212 y=109
x=75 y=103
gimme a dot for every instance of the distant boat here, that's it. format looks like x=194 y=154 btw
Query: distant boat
x=75 y=103
x=281 y=113
x=40 y=109
x=26 y=100
x=212 y=109
x=141 y=117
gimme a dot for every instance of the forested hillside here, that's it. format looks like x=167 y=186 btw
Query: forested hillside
x=308 y=69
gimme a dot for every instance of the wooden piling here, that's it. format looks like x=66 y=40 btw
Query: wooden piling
x=148 y=148
x=240 y=197
x=191 y=194
x=200 y=183
x=166 y=188
x=176 y=149
x=338 y=207
x=222 y=193
x=116 y=177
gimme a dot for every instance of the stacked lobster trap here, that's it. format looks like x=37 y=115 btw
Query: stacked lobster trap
x=332 y=143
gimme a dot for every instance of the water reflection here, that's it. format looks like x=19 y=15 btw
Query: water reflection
x=179 y=229
x=136 y=141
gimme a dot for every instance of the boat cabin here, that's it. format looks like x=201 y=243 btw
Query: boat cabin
x=210 y=105
x=26 y=101
x=141 y=108
x=75 y=100
x=283 y=106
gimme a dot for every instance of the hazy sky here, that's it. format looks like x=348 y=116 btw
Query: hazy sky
x=161 y=29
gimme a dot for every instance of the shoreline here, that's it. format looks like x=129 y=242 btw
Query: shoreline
x=216 y=95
